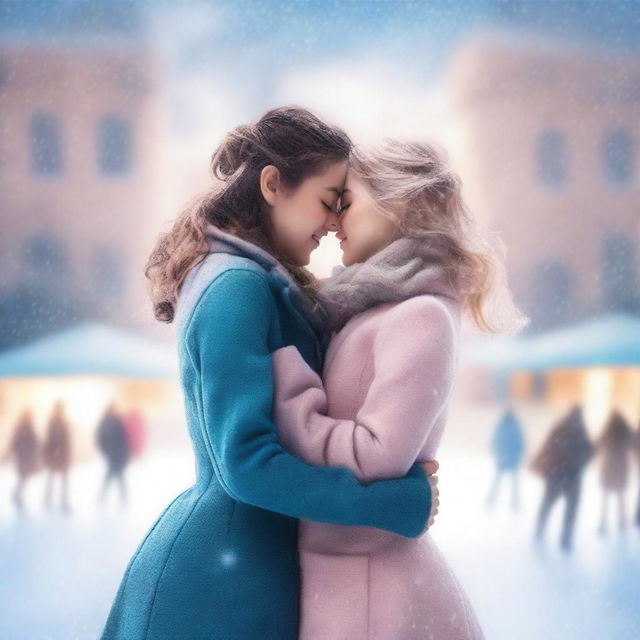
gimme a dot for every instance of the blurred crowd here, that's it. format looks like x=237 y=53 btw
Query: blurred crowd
x=119 y=437
x=561 y=462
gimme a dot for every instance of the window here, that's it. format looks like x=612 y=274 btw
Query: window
x=617 y=156
x=552 y=159
x=552 y=294
x=619 y=269
x=46 y=145
x=108 y=270
x=114 y=146
x=45 y=253
x=5 y=73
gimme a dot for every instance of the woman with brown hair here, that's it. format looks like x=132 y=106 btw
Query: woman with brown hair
x=221 y=561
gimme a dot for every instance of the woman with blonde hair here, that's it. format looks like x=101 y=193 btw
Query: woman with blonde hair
x=415 y=261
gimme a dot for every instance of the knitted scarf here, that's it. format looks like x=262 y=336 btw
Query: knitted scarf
x=405 y=268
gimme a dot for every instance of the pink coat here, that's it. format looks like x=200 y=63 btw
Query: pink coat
x=388 y=379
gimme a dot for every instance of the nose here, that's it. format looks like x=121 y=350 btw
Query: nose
x=332 y=223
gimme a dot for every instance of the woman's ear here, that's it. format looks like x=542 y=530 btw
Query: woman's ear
x=269 y=181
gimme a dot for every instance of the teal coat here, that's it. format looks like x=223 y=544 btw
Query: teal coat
x=221 y=560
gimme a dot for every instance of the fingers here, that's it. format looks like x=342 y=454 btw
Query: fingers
x=435 y=499
x=430 y=467
x=432 y=516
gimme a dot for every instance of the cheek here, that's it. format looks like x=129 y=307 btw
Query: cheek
x=357 y=225
x=351 y=221
x=307 y=216
x=318 y=217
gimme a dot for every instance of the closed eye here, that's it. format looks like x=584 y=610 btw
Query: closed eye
x=343 y=208
x=326 y=206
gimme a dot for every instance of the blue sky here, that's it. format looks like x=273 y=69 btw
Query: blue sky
x=254 y=42
x=295 y=31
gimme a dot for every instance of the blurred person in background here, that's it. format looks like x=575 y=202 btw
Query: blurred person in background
x=135 y=429
x=561 y=462
x=636 y=448
x=614 y=447
x=24 y=448
x=507 y=446
x=56 y=455
x=112 y=442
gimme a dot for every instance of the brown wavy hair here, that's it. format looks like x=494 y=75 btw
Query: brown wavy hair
x=294 y=140
x=412 y=183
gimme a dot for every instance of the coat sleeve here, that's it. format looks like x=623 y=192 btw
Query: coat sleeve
x=228 y=342
x=413 y=363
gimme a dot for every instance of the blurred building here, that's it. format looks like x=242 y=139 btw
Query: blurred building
x=547 y=143
x=81 y=180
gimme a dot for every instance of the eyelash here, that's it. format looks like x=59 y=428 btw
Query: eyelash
x=339 y=210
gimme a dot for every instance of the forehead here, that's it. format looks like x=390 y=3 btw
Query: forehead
x=331 y=179
x=353 y=183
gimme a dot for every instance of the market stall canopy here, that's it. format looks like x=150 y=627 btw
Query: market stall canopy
x=607 y=341
x=91 y=349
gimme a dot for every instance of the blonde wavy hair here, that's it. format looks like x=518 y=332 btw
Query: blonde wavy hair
x=412 y=183
x=294 y=140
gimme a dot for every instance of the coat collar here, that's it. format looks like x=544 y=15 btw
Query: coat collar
x=283 y=282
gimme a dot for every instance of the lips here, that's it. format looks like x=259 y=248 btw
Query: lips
x=316 y=238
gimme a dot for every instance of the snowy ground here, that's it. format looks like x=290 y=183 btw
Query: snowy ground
x=60 y=572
